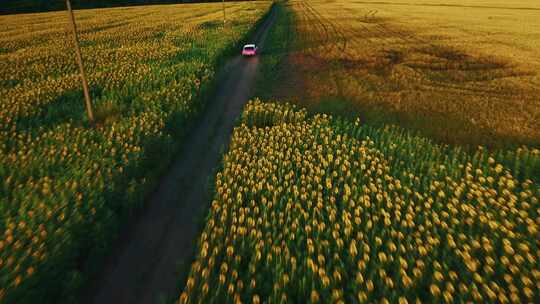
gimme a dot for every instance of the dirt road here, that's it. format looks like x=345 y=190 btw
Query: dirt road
x=145 y=266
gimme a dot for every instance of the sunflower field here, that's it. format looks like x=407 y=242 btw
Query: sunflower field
x=66 y=185
x=326 y=210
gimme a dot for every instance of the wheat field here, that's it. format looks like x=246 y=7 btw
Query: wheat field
x=458 y=73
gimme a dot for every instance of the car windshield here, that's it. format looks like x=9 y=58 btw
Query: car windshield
x=249 y=48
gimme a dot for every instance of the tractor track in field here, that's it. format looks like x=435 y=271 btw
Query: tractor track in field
x=143 y=266
x=377 y=32
x=330 y=32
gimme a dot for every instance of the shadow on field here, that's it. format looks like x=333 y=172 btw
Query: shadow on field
x=69 y=107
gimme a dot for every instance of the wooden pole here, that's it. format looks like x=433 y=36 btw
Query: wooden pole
x=224 y=17
x=80 y=62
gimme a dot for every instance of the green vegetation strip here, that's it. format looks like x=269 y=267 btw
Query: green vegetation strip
x=279 y=42
x=67 y=187
x=325 y=210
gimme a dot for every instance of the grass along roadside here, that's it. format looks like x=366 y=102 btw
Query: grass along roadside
x=280 y=39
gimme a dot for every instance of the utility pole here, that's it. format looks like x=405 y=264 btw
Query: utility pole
x=224 y=17
x=80 y=62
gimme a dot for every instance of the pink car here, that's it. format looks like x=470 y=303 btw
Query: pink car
x=249 y=50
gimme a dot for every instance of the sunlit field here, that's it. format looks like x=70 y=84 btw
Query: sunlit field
x=326 y=210
x=66 y=184
x=459 y=73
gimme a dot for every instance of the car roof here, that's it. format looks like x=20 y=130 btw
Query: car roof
x=249 y=45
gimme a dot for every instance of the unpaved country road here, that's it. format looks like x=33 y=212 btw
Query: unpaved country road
x=144 y=266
